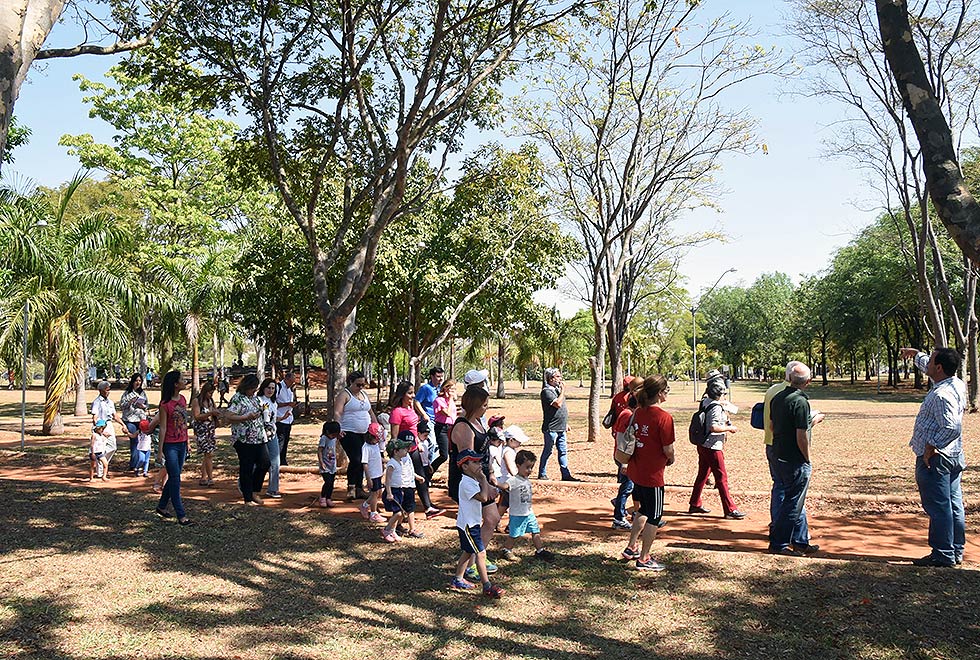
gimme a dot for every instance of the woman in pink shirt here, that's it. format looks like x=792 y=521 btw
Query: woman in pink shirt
x=173 y=442
x=446 y=413
x=404 y=416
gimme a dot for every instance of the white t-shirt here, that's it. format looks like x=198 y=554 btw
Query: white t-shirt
x=520 y=495
x=144 y=441
x=103 y=408
x=328 y=457
x=403 y=474
x=285 y=395
x=371 y=454
x=504 y=472
x=496 y=460
x=98 y=443
x=470 y=509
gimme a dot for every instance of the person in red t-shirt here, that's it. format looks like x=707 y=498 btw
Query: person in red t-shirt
x=654 y=451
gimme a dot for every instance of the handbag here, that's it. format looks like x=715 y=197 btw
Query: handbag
x=626 y=443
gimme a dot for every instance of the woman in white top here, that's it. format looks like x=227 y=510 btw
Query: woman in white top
x=353 y=410
x=267 y=397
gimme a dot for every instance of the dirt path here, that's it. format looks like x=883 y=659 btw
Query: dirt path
x=888 y=534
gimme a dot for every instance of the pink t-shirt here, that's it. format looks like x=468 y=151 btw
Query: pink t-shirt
x=176 y=420
x=406 y=419
x=445 y=407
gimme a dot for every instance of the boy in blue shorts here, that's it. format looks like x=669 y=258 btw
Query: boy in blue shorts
x=474 y=490
x=522 y=519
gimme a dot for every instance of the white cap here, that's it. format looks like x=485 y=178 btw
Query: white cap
x=475 y=377
x=515 y=432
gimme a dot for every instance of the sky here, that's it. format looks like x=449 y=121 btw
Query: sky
x=785 y=211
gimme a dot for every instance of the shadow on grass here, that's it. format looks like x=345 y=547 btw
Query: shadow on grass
x=331 y=581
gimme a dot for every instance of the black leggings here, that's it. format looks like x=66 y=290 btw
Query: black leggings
x=253 y=463
x=422 y=487
x=327 y=490
x=442 y=441
x=352 y=444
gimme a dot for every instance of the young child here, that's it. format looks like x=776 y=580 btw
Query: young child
x=384 y=421
x=97 y=450
x=522 y=519
x=144 y=445
x=425 y=454
x=373 y=469
x=514 y=437
x=474 y=490
x=326 y=460
x=400 y=479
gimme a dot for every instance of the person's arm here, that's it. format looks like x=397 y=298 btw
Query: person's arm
x=486 y=491
x=196 y=411
x=511 y=463
x=319 y=456
x=669 y=453
x=388 y=472
x=162 y=416
x=803 y=442
x=338 y=406
x=919 y=359
x=441 y=405
x=420 y=410
x=233 y=417
x=667 y=433
x=462 y=436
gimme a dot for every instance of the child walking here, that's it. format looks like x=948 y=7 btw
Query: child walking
x=326 y=460
x=400 y=479
x=373 y=469
x=144 y=446
x=97 y=450
x=474 y=490
x=522 y=519
x=514 y=437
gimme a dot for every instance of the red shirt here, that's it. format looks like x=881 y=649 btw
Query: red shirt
x=176 y=420
x=620 y=402
x=655 y=430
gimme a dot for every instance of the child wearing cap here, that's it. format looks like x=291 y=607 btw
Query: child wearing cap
x=474 y=490
x=144 y=445
x=373 y=469
x=326 y=460
x=400 y=479
x=97 y=446
x=522 y=519
x=514 y=437
x=425 y=452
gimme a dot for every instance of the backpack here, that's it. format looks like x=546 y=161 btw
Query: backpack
x=697 y=432
x=626 y=443
x=758 y=420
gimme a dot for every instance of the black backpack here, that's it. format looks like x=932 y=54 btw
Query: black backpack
x=698 y=432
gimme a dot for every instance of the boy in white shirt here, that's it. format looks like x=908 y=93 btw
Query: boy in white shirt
x=474 y=490
x=400 y=481
x=373 y=469
x=522 y=519
x=326 y=460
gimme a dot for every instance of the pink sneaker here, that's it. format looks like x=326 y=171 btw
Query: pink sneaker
x=377 y=517
x=323 y=503
x=365 y=513
x=389 y=537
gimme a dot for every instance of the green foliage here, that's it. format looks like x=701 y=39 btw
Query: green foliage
x=17 y=136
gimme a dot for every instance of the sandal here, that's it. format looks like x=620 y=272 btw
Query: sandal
x=415 y=535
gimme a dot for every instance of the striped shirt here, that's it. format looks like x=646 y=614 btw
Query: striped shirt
x=940 y=419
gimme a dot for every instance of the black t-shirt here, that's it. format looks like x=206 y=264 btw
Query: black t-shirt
x=789 y=411
x=555 y=419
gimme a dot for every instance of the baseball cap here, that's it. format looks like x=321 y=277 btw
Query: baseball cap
x=145 y=425
x=395 y=445
x=100 y=424
x=374 y=429
x=466 y=456
x=495 y=420
x=515 y=432
x=406 y=437
x=475 y=377
x=423 y=426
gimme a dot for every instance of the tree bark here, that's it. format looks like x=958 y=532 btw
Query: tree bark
x=501 y=355
x=260 y=359
x=972 y=363
x=81 y=406
x=596 y=362
x=615 y=349
x=957 y=208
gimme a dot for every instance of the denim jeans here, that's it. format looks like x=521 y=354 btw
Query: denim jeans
x=273 y=446
x=133 y=454
x=801 y=532
x=795 y=478
x=625 y=490
x=942 y=499
x=554 y=439
x=173 y=457
x=142 y=461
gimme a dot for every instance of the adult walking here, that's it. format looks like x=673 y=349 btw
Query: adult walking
x=937 y=442
x=133 y=405
x=711 y=452
x=445 y=414
x=245 y=415
x=173 y=441
x=285 y=402
x=354 y=412
x=654 y=429
x=103 y=408
x=620 y=426
x=791 y=423
x=205 y=422
x=270 y=416
x=428 y=391
x=404 y=417
x=554 y=411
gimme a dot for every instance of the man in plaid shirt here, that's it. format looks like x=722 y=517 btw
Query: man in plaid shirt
x=937 y=441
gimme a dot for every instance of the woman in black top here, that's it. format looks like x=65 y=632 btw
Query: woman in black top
x=469 y=433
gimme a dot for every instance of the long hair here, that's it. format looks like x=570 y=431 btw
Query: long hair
x=647 y=393
x=446 y=385
x=265 y=384
x=132 y=383
x=474 y=397
x=169 y=386
x=400 y=391
x=207 y=391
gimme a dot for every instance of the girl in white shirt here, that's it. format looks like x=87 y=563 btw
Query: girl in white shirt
x=400 y=479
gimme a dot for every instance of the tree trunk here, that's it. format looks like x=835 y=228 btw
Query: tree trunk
x=501 y=354
x=957 y=208
x=215 y=348
x=615 y=348
x=972 y=362
x=142 y=337
x=260 y=359
x=338 y=334
x=52 y=424
x=81 y=406
x=823 y=357
x=596 y=363
x=195 y=370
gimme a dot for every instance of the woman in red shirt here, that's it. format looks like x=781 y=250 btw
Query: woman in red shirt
x=404 y=416
x=173 y=440
x=654 y=429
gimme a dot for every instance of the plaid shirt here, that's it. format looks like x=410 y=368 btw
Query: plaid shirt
x=940 y=419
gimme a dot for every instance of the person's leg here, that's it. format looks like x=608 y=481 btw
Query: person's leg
x=246 y=465
x=169 y=460
x=561 y=442
x=274 y=457
x=349 y=442
x=179 y=453
x=283 y=431
x=133 y=454
x=625 y=489
x=795 y=480
x=463 y=562
x=717 y=463
x=778 y=492
x=653 y=506
x=261 y=467
x=549 y=444
x=701 y=479
x=935 y=490
x=538 y=543
x=959 y=512
x=490 y=519
x=442 y=443
x=421 y=487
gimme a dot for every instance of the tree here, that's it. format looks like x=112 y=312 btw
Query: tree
x=26 y=24
x=634 y=122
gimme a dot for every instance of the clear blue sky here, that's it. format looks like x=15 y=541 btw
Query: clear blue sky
x=786 y=211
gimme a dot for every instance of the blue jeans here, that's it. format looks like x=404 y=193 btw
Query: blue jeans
x=174 y=454
x=133 y=454
x=801 y=532
x=552 y=439
x=273 y=446
x=795 y=479
x=625 y=490
x=942 y=499
x=142 y=461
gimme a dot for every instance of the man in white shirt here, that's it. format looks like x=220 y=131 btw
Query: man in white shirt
x=286 y=401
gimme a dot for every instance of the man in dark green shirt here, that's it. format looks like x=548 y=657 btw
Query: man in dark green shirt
x=790 y=415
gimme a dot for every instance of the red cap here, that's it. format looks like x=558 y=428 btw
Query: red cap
x=495 y=420
x=145 y=425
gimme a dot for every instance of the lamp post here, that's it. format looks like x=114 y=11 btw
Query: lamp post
x=23 y=379
x=695 y=305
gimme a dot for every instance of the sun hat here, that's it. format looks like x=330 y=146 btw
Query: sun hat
x=475 y=377
x=100 y=424
x=629 y=380
x=515 y=432
x=466 y=456
x=714 y=374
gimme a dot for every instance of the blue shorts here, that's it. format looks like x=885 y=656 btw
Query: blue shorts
x=402 y=499
x=521 y=525
x=376 y=485
x=470 y=541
